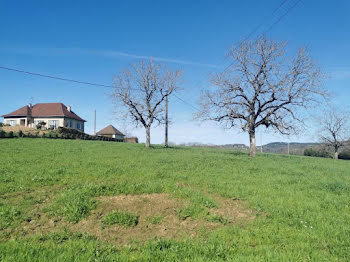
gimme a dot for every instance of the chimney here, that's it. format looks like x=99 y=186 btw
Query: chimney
x=69 y=108
x=30 y=105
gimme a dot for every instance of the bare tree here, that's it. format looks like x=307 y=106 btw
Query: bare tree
x=141 y=89
x=262 y=87
x=334 y=128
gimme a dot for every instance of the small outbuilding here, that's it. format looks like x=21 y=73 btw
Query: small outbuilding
x=110 y=131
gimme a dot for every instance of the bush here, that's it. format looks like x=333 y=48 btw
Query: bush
x=322 y=152
x=43 y=135
x=10 y=134
x=66 y=130
x=121 y=218
x=344 y=155
x=2 y=134
x=1 y=124
x=40 y=125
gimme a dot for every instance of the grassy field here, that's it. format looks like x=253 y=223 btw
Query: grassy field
x=67 y=200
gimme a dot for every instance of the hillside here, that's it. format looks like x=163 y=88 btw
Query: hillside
x=294 y=147
x=64 y=200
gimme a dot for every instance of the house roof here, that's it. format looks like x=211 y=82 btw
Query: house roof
x=44 y=110
x=109 y=130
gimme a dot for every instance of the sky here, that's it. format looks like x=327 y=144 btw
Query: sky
x=92 y=41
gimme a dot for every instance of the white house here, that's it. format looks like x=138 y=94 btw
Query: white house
x=53 y=114
x=110 y=131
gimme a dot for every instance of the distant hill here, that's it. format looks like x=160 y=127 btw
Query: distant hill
x=282 y=147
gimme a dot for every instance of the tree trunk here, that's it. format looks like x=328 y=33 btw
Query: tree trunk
x=336 y=154
x=252 y=148
x=148 y=137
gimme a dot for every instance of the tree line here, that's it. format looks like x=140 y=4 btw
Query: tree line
x=264 y=86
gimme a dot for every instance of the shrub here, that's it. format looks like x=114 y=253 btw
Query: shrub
x=40 y=125
x=1 y=124
x=10 y=134
x=344 y=155
x=317 y=152
x=43 y=135
x=121 y=218
x=71 y=131
x=2 y=134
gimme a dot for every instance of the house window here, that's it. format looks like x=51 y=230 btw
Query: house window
x=12 y=122
x=78 y=125
x=53 y=124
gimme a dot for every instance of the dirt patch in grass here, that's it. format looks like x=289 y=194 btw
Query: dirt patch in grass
x=234 y=210
x=158 y=218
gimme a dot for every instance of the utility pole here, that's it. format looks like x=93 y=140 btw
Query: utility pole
x=166 y=120
x=261 y=145
x=95 y=123
x=288 y=147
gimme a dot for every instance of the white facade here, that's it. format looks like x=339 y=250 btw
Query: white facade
x=53 y=122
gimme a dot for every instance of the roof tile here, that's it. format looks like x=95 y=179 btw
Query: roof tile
x=44 y=110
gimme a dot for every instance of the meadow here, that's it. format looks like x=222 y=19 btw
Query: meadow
x=72 y=200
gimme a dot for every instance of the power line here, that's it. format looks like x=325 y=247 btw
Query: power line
x=282 y=16
x=187 y=103
x=255 y=29
x=78 y=81
x=53 y=77
x=273 y=24
x=179 y=98
x=263 y=22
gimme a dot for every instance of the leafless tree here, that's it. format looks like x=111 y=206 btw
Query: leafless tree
x=334 y=128
x=263 y=87
x=141 y=89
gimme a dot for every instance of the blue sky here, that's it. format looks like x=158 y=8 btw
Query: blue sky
x=93 y=40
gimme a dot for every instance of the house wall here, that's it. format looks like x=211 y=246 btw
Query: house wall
x=63 y=122
x=46 y=120
x=118 y=136
x=131 y=139
x=9 y=120
x=114 y=136
x=73 y=123
x=17 y=121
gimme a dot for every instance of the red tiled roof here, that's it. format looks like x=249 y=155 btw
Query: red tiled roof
x=109 y=130
x=44 y=110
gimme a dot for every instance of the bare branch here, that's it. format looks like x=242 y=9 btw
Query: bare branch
x=263 y=87
x=141 y=90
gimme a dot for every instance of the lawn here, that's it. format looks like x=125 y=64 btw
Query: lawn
x=70 y=200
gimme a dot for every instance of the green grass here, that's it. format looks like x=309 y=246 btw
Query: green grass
x=73 y=204
x=121 y=218
x=155 y=220
x=303 y=203
x=216 y=218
